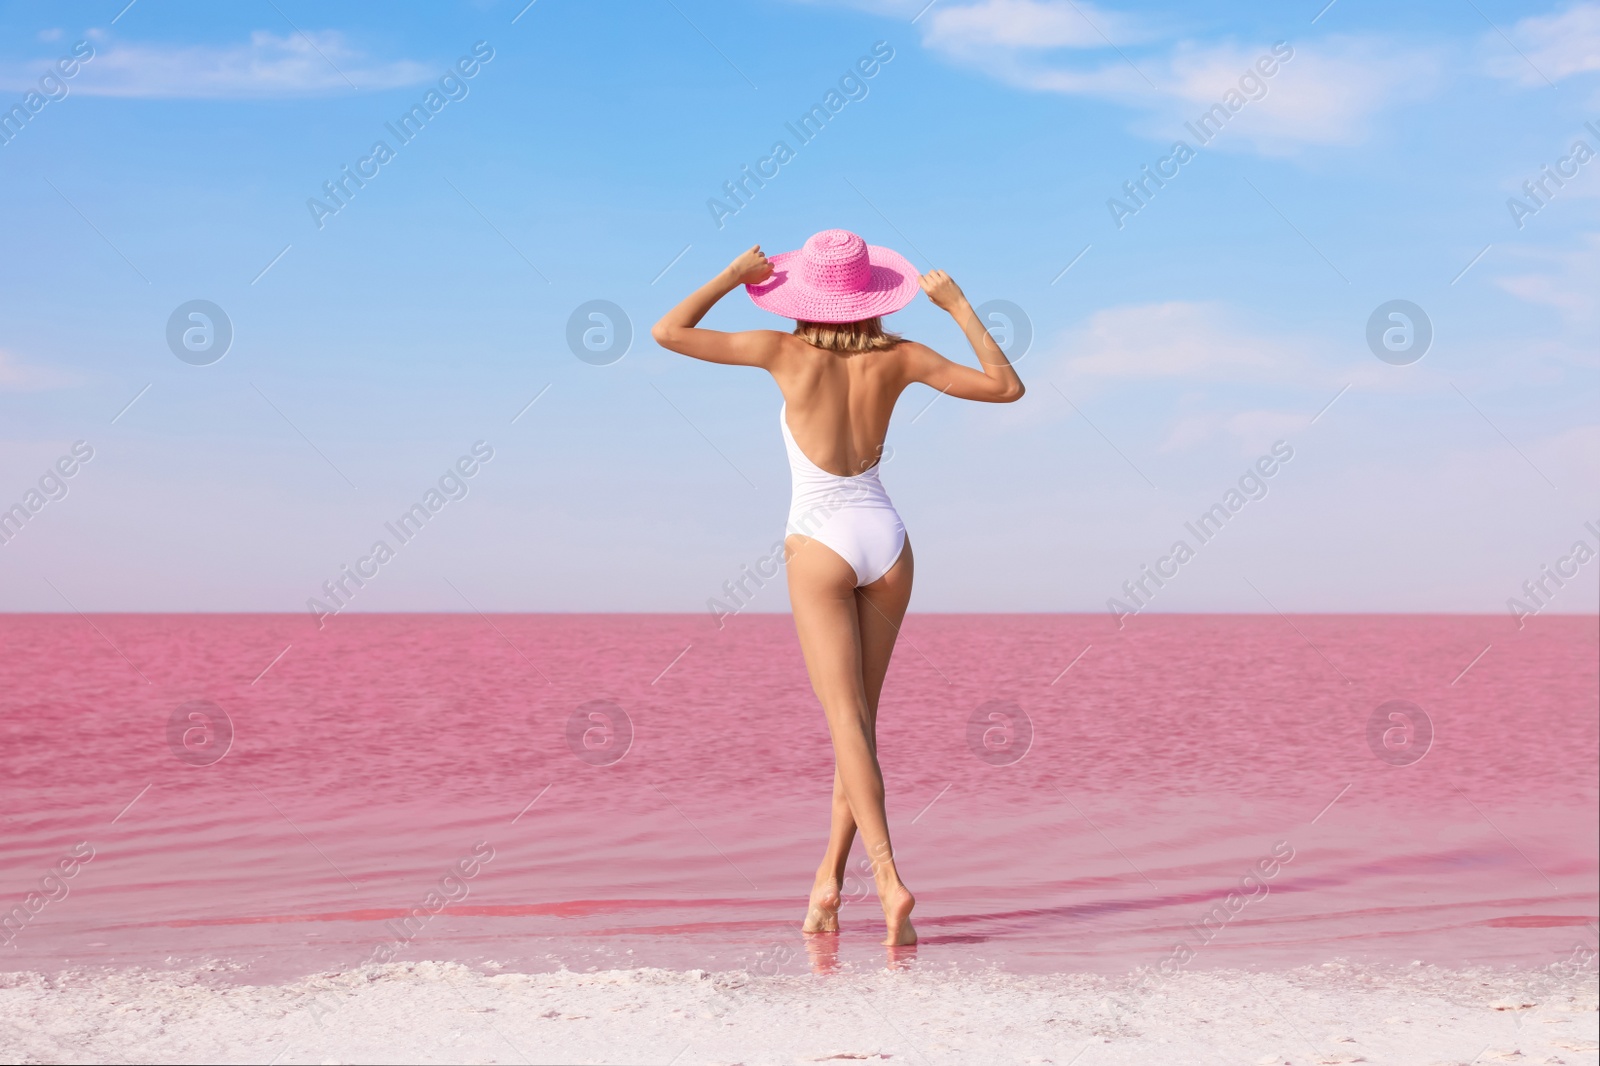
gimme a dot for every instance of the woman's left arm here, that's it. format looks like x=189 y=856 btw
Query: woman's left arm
x=678 y=329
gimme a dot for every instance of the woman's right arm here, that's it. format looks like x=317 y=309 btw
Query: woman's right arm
x=679 y=331
x=997 y=382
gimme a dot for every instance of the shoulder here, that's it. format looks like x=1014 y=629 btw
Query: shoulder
x=775 y=339
x=916 y=357
x=771 y=337
x=763 y=345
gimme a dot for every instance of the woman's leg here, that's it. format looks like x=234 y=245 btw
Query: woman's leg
x=836 y=624
x=821 y=594
x=822 y=911
x=880 y=609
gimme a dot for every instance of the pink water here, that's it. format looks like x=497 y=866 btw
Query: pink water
x=1170 y=760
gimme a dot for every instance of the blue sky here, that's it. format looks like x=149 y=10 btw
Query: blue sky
x=369 y=353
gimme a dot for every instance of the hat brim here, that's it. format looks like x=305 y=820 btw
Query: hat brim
x=894 y=283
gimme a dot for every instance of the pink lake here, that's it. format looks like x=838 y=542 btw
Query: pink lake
x=1105 y=820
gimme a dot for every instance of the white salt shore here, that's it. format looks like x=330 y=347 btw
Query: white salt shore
x=442 y=1012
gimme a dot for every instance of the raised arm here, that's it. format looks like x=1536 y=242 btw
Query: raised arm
x=997 y=382
x=678 y=329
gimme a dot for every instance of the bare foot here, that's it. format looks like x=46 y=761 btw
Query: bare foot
x=822 y=913
x=897 y=903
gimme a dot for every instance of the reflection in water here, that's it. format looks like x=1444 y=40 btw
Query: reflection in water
x=900 y=958
x=823 y=948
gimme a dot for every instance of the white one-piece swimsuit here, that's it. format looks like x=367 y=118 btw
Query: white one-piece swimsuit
x=851 y=515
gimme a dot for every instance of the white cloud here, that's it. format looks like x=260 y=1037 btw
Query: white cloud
x=1189 y=346
x=1326 y=93
x=1027 y=24
x=1013 y=41
x=1572 y=286
x=269 y=65
x=1552 y=47
x=1175 y=340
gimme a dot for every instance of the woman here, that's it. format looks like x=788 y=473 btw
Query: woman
x=848 y=557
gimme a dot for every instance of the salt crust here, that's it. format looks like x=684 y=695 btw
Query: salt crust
x=429 y=1012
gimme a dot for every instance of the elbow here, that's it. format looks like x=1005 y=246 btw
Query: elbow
x=1012 y=393
x=664 y=335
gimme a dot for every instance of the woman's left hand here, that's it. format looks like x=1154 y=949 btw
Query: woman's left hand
x=751 y=267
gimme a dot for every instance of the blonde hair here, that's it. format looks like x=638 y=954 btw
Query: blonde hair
x=867 y=335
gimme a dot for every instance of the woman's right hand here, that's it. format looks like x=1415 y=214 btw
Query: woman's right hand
x=943 y=290
x=750 y=267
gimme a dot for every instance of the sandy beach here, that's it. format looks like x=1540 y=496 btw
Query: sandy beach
x=444 y=1012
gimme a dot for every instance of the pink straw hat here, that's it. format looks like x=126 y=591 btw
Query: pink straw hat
x=836 y=277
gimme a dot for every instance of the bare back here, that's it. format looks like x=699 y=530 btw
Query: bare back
x=839 y=403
